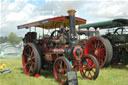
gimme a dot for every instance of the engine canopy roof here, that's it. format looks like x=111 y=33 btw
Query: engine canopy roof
x=107 y=24
x=52 y=23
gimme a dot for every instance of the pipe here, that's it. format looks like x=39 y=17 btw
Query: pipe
x=72 y=23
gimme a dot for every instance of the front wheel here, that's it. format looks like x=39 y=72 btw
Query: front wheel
x=61 y=67
x=89 y=68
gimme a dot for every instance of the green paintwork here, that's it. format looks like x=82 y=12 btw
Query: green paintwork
x=118 y=38
x=123 y=46
x=107 y=24
x=123 y=37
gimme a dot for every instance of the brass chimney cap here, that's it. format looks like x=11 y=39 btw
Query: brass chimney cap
x=71 y=12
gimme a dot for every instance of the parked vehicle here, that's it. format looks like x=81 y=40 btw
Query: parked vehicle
x=58 y=52
x=112 y=46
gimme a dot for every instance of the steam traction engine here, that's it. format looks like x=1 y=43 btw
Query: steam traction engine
x=111 y=47
x=55 y=51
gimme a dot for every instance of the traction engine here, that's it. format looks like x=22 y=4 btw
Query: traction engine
x=112 y=47
x=60 y=52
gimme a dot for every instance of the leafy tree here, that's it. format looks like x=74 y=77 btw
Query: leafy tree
x=3 y=39
x=13 y=38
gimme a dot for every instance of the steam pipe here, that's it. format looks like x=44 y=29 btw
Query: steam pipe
x=72 y=23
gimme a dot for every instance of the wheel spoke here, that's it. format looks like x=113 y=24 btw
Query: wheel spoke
x=62 y=70
x=30 y=68
x=83 y=73
x=101 y=46
x=91 y=49
x=27 y=63
x=26 y=66
x=98 y=44
x=92 y=45
x=26 y=54
x=33 y=58
x=32 y=53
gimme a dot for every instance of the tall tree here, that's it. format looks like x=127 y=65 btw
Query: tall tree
x=13 y=38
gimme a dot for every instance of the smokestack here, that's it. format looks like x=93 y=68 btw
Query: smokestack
x=72 y=23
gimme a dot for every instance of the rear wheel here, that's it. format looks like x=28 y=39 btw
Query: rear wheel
x=110 y=52
x=101 y=49
x=91 y=67
x=61 y=67
x=31 y=59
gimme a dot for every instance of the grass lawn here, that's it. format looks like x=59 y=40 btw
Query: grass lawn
x=112 y=75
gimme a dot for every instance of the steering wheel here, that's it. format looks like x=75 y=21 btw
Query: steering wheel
x=55 y=34
x=118 y=30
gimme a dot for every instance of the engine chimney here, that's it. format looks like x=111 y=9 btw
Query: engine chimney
x=72 y=24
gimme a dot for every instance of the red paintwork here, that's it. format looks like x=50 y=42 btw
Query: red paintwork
x=52 y=47
x=52 y=23
x=52 y=52
x=87 y=70
x=66 y=17
x=124 y=45
x=60 y=68
x=37 y=75
x=26 y=64
x=96 y=47
x=74 y=52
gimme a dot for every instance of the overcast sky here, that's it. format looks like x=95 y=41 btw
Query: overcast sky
x=17 y=12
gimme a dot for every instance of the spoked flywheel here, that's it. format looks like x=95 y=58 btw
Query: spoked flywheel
x=61 y=67
x=100 y=48
x=31 y=59
x=89 y=68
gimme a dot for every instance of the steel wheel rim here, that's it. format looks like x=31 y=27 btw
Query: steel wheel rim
x=60 y=70
x=90 y=69
x=96 y=47
x=28 y=60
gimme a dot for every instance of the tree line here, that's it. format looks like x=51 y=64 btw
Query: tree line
x=12 y=38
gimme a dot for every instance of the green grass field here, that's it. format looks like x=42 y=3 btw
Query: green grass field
x=113 y=75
